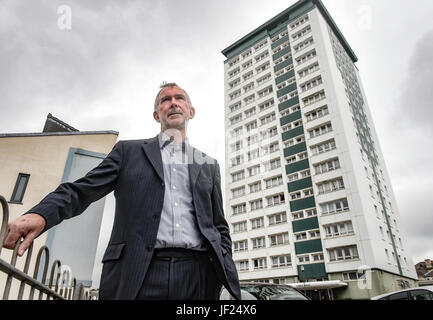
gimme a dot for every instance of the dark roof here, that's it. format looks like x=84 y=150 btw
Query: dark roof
x=53 y=124
x=429 y=274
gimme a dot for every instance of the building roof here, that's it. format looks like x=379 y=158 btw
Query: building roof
x=53 y=124
x=56 y=127
x=291 y=13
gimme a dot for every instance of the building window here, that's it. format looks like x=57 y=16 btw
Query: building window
x=256 y=204
x=301 y=236
x=255 y=187
x=320 y=130
x=258 y=243
x=343 y=253
x=317 y=113
x=238 y=192
x=238 y=176
x=334 y=206
x=275 y=200
x=279 y=239
x=240 y=227
x=331 y=185
x=257 y=223
x=254 y=170
x=327 y=166
x=239 y=209
x=323 y=147
x=318 y=257
x=240 y=245
x=339 y=229
x=353 y=276
x=273 y=182
x=304 y=259
x=277 y=218
x=259 y=263
x=281 y=261
x=242 y=265
x=20 y=188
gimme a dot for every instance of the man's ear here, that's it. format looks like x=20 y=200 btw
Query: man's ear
x=191 y=113
x=156 y=116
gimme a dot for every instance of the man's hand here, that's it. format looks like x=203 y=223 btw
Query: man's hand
x=28 y=226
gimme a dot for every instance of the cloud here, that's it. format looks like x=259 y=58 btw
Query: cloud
x=416 y=98
x=409 y=132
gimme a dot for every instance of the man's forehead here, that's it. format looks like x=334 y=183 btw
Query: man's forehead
x=171 y=90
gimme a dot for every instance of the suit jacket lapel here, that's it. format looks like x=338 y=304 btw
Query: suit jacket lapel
x=194 y=168
x=152 y=150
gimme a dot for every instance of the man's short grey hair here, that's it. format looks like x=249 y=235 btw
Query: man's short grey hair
x=170 y=84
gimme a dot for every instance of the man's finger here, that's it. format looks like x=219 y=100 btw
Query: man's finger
x=11 y=238
x=26 y=243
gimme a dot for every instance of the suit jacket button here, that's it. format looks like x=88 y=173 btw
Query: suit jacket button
x=149 y=248
x=162 y=184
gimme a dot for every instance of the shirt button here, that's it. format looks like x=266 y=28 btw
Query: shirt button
x=176 y=204
x=174 y=170
x=177 y=225
x=174 y=188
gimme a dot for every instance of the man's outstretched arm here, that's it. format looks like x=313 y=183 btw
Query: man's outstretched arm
x=68 y=200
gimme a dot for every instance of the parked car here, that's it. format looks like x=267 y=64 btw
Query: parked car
x=419 y=293
x=265 y=291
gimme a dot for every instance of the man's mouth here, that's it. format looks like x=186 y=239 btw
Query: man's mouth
x=174 y=113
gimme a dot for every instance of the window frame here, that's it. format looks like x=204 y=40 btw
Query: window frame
x=14 y=198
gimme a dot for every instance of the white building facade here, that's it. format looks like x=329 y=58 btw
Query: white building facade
x=308 y=196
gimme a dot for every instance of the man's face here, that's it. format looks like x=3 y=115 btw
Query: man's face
x=173 y=110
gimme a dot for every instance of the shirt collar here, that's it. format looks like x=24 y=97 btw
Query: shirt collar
x=164 y=140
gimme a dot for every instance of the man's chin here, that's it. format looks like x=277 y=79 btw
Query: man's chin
x=178 y=125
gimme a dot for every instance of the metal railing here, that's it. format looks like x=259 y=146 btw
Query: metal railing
x=63 y=289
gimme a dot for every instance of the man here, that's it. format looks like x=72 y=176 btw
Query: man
x=170 y=239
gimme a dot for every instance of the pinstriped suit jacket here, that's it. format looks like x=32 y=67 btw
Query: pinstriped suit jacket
x=134 y=170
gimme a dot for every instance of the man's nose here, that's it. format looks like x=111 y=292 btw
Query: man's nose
x=173 y=103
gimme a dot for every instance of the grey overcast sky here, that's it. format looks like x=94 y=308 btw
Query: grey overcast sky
x=103 y=74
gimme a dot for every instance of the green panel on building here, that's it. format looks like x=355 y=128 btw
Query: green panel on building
x=312 y=271
x=293 y=133
x=291 y=117
x=308 y=246
x=305 y=224
x=281 y=53
x=302 y=204
x=291 y=87
x=290 y=151
x=297 y=166
x=283 y=64
x=289 y=103
x=280 y=41
x=285 y=76
x=300 y=184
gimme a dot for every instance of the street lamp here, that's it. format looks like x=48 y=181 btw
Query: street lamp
x=303 y=279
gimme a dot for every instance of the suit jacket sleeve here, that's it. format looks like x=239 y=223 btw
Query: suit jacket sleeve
x=218 y=212
x=72 y=198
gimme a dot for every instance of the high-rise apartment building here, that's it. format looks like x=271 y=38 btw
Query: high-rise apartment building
x=308 y=196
